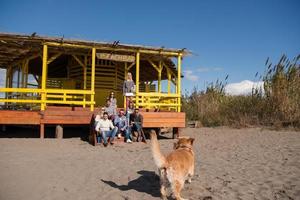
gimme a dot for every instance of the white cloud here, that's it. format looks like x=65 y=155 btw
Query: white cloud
x=209 y=69
x=243 y=87
x=189 y=75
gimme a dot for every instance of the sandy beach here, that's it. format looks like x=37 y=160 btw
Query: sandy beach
x=230 y=164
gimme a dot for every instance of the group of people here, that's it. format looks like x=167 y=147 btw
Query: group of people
x=128 y=122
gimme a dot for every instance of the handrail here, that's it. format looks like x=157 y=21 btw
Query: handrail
x=63 y=96
x=155 y=99
x=21 y=90
x=38 y=90
x=156 y=94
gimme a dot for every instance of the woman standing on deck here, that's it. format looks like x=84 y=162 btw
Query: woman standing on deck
x=128 y=88
x=113 y=102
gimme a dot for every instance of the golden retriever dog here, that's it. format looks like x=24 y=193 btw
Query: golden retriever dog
x=176 y=167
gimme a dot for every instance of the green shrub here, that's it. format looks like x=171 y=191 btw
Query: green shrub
x=277 y=105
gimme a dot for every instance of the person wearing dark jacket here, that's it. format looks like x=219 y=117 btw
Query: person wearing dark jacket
x=136 y=122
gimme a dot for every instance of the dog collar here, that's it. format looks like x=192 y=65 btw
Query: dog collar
x=185 y=147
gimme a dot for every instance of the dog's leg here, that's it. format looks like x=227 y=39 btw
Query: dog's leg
x=177 y=187
x=191 y=174
x=163 y=183
x=189 y=179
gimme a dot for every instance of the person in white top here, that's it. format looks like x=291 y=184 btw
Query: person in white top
x=99 y=116
x=106 y=129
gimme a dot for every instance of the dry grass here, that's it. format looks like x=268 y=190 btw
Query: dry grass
x=277 y=105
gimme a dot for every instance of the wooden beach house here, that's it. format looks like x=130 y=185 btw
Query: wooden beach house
x=57 y=81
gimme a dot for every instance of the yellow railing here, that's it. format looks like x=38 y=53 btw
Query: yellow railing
x=158 y=100
x=53 y=96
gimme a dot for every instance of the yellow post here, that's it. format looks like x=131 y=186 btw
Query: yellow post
x=169 y=81
x=9 y=81
x=159 y=76
x=137 y=78
x=179 y=81
x=44 y=77
x=125 y=78
x=84 y=79
x=93 y=78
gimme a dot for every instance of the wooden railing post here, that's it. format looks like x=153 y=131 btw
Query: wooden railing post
x=125 y=78
x=93 y=78
x=84 y=79
x=179 y=81
x=137 y=78
x=159 y=76
x=44 y=77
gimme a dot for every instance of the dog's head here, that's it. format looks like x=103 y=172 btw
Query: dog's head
x=184 y=142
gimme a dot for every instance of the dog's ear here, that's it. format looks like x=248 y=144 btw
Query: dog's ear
x=191 y=140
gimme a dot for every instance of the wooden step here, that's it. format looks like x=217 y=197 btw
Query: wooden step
x=120 y=140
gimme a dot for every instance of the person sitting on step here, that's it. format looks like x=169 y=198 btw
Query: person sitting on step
x=111 y=111
x=122 y=124
x=105 y=130
x=99 y=115
x=136 y=122
x=129 y=111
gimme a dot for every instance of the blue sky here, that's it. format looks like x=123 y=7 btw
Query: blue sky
x=232 y=37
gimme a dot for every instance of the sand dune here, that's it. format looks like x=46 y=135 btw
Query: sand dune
x=231 y=164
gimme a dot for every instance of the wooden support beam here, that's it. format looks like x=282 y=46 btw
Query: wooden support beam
x=137 y=78
x=125 y=78
x=169 y=81
x=7 y=80
x=84 y=78
x=7 y=77
x=36 y=78
x=22 y=73
x=158 y=52
x=42 y=131
x=154 y=65
x=26 y=73
x=59 y=132
x=44 y=77
x=79 y=61
x=160 y=66
x=51 y=59
x=93 y=78
x=179 y=80
x=29 y=57
x=130 y=66
x=167 y=67
x=10 y=76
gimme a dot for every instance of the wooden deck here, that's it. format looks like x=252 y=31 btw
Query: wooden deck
x=82 y=116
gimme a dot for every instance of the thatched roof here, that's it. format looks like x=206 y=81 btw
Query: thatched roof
x=15 y=47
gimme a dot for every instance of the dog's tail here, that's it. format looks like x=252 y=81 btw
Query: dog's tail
x=159 y=158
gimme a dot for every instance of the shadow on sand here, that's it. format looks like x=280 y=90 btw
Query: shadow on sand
x=148 y=183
